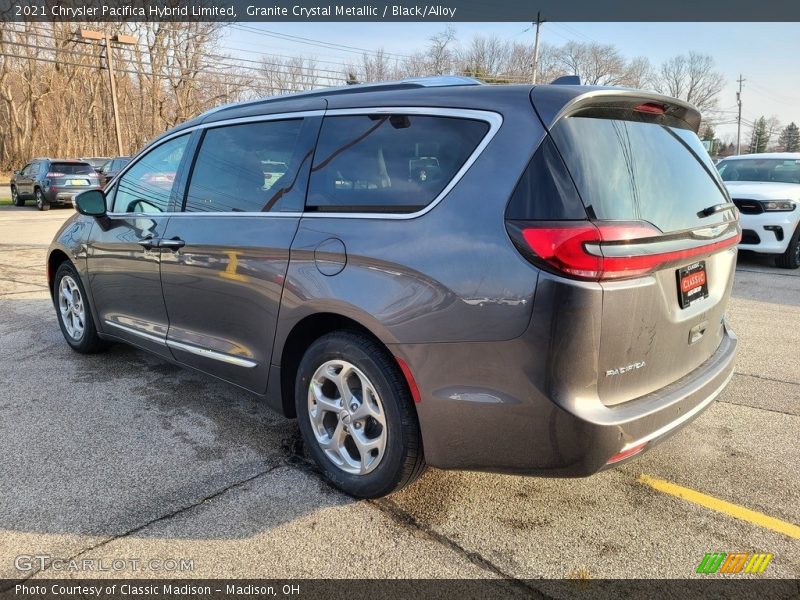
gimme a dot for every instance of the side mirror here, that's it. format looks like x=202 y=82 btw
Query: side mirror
x=18 y=172
x=91 y=203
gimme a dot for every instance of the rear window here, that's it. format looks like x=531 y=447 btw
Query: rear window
x=388 y=163
x=629 y=170
x=72 y=168
x=760 y=169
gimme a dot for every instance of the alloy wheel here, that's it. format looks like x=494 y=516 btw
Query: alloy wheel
x=347 y=417
x=71 y=307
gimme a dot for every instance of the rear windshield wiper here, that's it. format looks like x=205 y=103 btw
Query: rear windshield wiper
x=717 y=208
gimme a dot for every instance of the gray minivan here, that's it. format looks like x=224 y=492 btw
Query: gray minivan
x=548 y=300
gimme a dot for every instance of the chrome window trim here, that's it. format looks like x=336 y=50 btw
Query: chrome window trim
x=227 y=358
x=494 y=120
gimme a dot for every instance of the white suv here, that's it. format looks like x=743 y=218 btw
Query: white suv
x=766 y=190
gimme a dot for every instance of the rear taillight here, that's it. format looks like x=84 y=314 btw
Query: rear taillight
x=598 y=251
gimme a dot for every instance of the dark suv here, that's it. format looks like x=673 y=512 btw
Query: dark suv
x=52 y=181
x=549 y=299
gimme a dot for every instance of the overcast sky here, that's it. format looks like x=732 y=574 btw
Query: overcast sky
x=766 y=54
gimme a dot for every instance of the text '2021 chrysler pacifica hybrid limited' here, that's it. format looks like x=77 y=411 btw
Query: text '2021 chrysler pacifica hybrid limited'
x=522 y=279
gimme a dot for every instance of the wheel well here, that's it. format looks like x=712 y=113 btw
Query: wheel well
x=304 y=333
x=53 y=262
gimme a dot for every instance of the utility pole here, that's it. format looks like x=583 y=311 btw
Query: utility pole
x=538 y=24
x=739 y=118
x=121 y=39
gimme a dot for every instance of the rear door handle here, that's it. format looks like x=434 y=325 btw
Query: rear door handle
x=173 y=244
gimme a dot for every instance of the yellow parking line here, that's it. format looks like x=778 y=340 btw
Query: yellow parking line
x=728 y=508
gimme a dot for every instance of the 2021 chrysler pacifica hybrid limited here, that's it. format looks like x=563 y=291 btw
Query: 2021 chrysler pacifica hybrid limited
x=548 y=299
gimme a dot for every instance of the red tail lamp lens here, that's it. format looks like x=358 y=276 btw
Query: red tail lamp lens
x=576 y=250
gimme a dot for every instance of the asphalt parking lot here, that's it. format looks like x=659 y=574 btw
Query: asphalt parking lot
x=122 y=455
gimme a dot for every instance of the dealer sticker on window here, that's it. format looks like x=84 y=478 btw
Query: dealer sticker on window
x=692 y=283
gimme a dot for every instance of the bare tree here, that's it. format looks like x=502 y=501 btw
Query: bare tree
x=595 y=64
x=439 y=54
x=638 y=73
x=691 y=77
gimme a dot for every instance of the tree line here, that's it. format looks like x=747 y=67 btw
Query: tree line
x=55 y=97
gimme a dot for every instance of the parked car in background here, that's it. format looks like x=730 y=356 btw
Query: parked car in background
x=550 y=301
x=111 y=167
x=766 y=190
x=51 y=181
x=96 y=161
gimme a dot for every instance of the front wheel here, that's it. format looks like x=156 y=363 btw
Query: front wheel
x=74 y=314
x=41 y=202
x=357 y=416
x=791 y=258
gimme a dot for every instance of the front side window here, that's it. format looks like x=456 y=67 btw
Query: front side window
x=147 y=186
x=388 y=163
x=251 y=167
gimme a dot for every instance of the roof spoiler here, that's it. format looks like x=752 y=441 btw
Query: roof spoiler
x=554 y=102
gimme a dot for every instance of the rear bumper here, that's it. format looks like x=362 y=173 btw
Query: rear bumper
x=65 y=195
x=640 y=424
x=503 y=422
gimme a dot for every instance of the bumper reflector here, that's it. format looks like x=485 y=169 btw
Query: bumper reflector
x=412 y=385
x=627 y=453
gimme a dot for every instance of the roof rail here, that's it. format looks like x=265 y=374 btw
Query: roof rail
x=566 y=80
x=413 y=82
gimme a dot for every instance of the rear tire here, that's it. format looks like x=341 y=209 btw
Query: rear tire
x=366 y=440
x=73 y=311
x=15 y=199
x=791 y=258
x=41 y=202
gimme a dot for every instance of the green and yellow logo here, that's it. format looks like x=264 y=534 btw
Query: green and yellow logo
x=732 y=563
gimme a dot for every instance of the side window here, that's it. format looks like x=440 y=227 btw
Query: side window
x=31 y=170
x=545 y=192
x=147 y=186
x=388 y=163
x=253 y=167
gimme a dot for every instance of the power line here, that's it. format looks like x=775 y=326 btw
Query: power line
x=315 y=42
